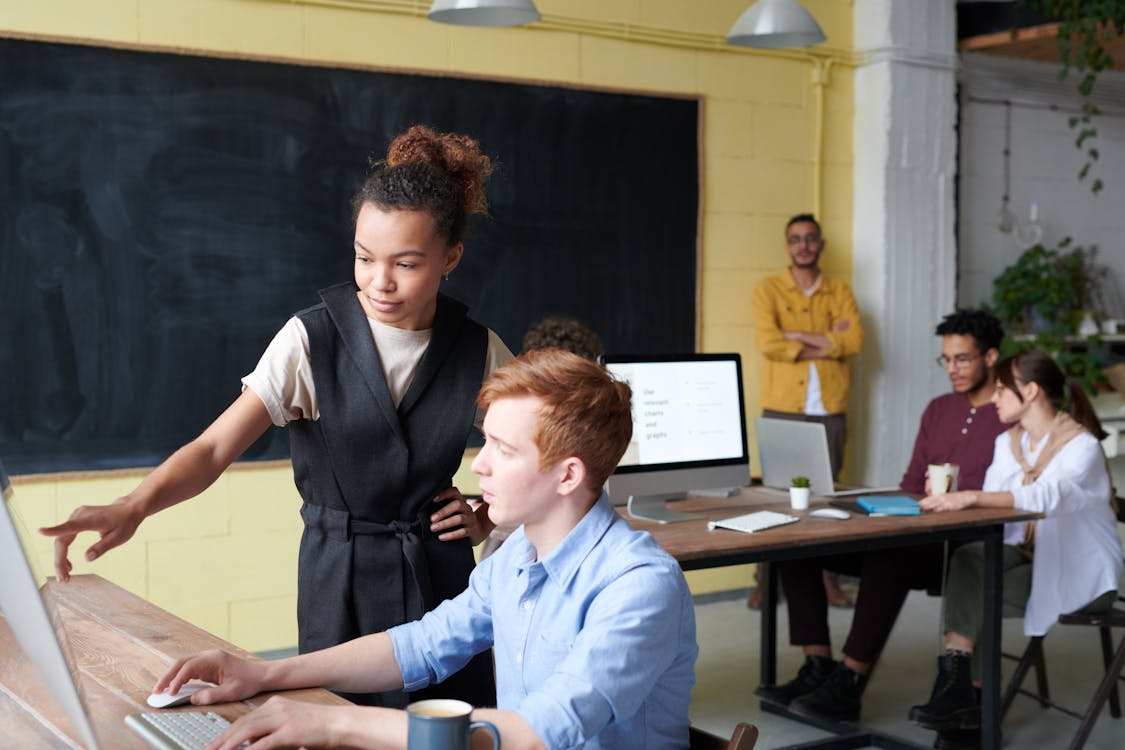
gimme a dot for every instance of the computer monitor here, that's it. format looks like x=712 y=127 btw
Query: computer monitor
x=5 y=484
x=689 y=430
x=27 y=614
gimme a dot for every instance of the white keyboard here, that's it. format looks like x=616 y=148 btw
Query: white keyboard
x=178 y=730
x=751 y=522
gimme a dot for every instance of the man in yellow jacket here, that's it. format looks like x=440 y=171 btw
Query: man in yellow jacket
x=807 y=328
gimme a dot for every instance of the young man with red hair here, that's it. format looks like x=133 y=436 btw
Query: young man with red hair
x=591 y=622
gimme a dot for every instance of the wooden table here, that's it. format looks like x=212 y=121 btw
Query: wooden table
x=121 y=644
x=695 y=547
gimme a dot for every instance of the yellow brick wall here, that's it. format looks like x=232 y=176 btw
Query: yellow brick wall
x=227 y=559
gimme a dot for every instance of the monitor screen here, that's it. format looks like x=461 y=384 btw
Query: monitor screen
x=689 y=428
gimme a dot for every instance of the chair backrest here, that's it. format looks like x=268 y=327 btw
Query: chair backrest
x=744 y=737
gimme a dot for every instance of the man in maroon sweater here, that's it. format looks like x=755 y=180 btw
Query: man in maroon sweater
x=958 y=428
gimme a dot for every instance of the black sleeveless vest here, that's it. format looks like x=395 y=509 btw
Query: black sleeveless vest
x=368 y=473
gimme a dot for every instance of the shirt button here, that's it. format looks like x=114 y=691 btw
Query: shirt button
x=527 y=604
x=519 y=658
x=973 y=410
x=969 y=420
x=964 y=431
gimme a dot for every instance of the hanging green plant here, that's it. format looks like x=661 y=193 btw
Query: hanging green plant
x=1084 y=28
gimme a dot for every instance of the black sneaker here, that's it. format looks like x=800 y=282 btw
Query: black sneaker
x=812 y=675
x=837 y=699
x=953 y=703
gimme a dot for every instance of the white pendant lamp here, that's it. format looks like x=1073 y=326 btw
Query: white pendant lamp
x=484 y=12
x=773 y=24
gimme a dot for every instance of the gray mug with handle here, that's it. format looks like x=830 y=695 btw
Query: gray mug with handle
x=442 y=724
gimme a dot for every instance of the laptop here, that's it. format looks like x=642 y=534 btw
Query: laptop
x=46 y=647
x=788 y=448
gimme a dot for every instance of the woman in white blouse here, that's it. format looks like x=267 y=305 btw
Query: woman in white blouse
x=1049 y=462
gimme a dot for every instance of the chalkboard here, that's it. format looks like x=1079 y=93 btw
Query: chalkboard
x=162 y=215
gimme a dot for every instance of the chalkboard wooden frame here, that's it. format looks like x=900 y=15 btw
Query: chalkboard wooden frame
x=162 y=213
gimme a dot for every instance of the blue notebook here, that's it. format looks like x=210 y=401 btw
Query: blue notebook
x=889 y=505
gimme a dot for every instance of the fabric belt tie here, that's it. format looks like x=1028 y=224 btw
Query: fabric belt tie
x=339 y=524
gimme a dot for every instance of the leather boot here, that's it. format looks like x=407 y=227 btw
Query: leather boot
x=812 y=675
x=953 y=703
x=960 y=739
x=837 y=699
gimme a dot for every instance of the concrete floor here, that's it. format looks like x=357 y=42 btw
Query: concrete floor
x=727 y=673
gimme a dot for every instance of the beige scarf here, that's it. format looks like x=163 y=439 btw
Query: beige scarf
x=1062 y=431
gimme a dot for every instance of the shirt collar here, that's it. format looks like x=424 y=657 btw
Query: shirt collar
x=790 y=283
x=968 y=405
x=563 y=563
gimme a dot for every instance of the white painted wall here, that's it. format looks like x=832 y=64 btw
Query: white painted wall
x=904 y=265
x=1044 y=165
x=909 y=268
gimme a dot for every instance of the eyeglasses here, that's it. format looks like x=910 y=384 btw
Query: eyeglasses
x=960 y=361
x=795 y=239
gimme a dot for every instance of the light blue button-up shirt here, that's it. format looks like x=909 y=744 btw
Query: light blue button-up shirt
x=594 y=646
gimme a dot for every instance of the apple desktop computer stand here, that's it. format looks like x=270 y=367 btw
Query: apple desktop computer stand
x=655 y=508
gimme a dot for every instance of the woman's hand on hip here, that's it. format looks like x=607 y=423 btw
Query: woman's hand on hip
x=457 y=519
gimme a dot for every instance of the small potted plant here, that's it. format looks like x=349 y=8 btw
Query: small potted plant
x=799 y=493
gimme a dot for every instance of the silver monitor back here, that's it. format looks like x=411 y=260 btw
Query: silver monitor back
x=26 y=612
x=789 y=448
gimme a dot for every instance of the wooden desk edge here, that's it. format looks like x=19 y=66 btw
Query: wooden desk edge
x=119 y=641
x=694 y=546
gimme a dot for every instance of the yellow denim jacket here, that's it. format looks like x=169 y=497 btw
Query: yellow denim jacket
x=780 y=305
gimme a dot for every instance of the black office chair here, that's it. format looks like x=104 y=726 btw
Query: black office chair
x=744 y=737
x=1113 y=660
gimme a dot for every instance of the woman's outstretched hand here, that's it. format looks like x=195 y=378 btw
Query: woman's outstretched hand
x=115 y=525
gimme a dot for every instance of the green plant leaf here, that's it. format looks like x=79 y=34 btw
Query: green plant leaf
x=1084 y=27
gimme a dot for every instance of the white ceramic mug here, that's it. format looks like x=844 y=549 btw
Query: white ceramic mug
x=943 y=478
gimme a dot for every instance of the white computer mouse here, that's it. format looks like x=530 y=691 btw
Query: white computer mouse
x=167 y=700
x=838 y=514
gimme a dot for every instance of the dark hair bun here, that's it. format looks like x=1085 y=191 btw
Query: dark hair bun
x=457 y=155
